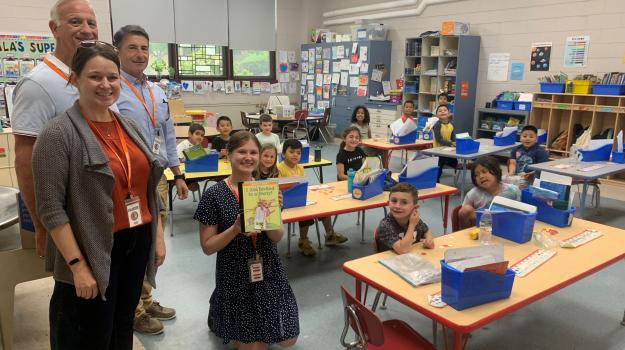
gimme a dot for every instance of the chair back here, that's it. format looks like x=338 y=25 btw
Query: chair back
x=363 y=321
x=455 y=222
x=326 y=117
x=244 y=120
x=301 y=114
x=375 y=240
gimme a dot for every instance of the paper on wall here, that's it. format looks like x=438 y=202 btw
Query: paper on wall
x=336 y=78
x=363 y=53
x=376 y=75
x=498 y=66
x=275 y=88
x=354 y=47
x=353 y=82
x=344 y=64
x=340 y=52
x=364 y=68
x=283 y=56
x=326 y=66
x=284 y=77
x=344 y=78
x=386 y=87
x=327 y=78
x=304 y=56
x=319 y=79
x=336 y=67
x=291 y=56
x=353 y=69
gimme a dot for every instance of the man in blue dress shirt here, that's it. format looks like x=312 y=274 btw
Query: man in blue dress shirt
x=146 y=103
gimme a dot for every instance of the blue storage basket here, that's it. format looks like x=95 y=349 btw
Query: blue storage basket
x=501 y=104
x=373 y=189
x=450 y=108
x=295 y=196
x=426 y=180
x=512 y=225
x=467 y=146
x=505 y=140
x=421 y=121
x=547 y=214
x=542 y=139
x=552 y=87
x=522 y=106
x=208 y=163
x=618 y=157
x=427 y=136
x=608 y=89
x=465 y=289
x=600 y=154
x=411 y=137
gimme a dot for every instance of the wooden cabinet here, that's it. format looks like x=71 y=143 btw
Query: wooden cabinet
x=558 y=113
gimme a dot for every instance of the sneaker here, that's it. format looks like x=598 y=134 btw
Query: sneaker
x=160 y=312
x=305 y=247
x=147 y=325
x=335 y=238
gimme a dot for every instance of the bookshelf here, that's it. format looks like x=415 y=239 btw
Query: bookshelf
x=428 y=70
x=557 y=113
x=491 y=120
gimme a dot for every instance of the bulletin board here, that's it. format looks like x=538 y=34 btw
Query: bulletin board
x=20 y=53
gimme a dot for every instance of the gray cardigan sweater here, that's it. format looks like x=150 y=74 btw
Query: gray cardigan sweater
x=74 y=183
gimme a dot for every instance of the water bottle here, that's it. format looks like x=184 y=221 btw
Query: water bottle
x=350 y=179
x=486 y=227
x=317 y=153
x=389 y=134
x=573 y=157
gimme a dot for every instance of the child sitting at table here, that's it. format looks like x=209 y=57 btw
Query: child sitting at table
x=220 y=142
x=444 y=136
x=407 y=111
x=360 y=120
x=528 y=152
x=350 y=155
x=265 y=135
x=267 y=167
x=486 y=176
x=403 y=227
x=292 y=152
x=195 y=137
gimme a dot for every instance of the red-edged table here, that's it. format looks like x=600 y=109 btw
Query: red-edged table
x=565 y=268
x=388 y=147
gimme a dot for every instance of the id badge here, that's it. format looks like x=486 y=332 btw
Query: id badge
x=256 y=268
x=134 y=211
x=156 y=146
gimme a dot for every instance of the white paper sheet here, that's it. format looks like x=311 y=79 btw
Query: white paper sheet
x=619 y=141
x=401 y=128
x=464 y=135
x=596 y=144
x=419 y=166
x=507 y=131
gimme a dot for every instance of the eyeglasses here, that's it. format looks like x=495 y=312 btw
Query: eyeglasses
x=93 y=43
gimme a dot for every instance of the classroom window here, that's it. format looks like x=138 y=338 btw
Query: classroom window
x=159 y=60
x=200 y=60
x=251 y=63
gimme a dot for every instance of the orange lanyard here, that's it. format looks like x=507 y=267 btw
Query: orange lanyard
x=140 y=98
x=56 y=69
x=127 y=167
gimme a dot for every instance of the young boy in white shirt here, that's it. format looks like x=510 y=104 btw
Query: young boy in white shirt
x=266 y=136
x=196 y=135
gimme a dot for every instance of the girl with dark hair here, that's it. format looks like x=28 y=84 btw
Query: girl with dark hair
x=350 y=155
x=360 y=120
x=486 y=177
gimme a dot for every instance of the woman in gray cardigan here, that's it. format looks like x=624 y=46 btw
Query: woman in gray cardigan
x=95 y=187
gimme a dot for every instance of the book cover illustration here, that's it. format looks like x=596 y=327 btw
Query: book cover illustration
x=260 y=205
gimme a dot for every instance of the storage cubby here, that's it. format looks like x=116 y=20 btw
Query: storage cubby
x=540 y=118
x=448 y=45
x=427 y=43
x=429 y=66
x=560 y=98
x=538 y=97
x=559 y=121
x=584 y=99
x=607 y=101
x=603 y=121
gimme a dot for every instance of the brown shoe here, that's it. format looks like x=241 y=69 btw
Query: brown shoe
x=147 y=325
x=160 y=312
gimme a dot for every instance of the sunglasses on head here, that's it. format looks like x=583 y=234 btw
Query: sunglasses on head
x=93 y=43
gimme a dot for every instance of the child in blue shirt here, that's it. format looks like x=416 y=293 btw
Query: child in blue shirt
x=527 y=153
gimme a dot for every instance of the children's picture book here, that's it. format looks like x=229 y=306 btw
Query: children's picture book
x=259 y=205
x=194 y=152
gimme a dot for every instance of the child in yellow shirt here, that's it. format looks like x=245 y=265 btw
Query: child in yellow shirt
x=444 y=136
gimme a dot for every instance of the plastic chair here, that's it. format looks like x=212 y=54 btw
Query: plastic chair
x=455 y=221
x=374 y=334
x=253 y=127
x=596 y=192
x=299 y=124
x=323 y=124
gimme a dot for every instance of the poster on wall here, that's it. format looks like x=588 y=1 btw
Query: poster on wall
x=21 y=52
x=498 y=66
x=540 y=56
x=576 y=51
x=516 y=71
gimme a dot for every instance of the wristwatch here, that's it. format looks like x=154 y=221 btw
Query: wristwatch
x=179 y=177
x=74 y=261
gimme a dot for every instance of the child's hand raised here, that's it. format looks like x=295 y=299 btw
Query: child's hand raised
x=414 y=218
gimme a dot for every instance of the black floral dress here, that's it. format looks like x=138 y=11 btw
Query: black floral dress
x=248 y=312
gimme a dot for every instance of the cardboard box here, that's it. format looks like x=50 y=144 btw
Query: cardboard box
x=454 y=28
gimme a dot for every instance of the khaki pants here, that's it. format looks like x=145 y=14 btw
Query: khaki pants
x=146 y=289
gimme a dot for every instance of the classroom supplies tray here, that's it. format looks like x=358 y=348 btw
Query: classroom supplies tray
x=364 y=192
x=295 y=196
x=608 y=89
x=208 y=163
x=411 y=137
x=547 y=214
x=512 y=225
x=552 y=87
x=465 y=289
x=505 y=140
x=600 y=154
x=467 y=146
x=427 y=179
x=502 y=104
x=618 y=157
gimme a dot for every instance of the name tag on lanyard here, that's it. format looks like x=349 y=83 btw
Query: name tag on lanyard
x=156 y=146
x=255 y=265
x=133 y=207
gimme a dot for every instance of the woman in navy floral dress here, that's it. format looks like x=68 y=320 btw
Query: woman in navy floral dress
x=253 y=314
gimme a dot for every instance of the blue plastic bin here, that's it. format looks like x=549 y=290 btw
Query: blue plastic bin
x=426 y=180
x=522 y=106
x=547 y=214
x=512 y=225
x=465 y=289
x=295 y=196
x=618 y=157
x=208 y=163
x=421 y=121
x=373 y=189
x=505 y=140
x=467 y=146
x=450 y=107
x=552 y=87
x=406 y=139
x=600 y=154
x=542 y=139
x=501 y=104
x=608 y=89
x=427 y=136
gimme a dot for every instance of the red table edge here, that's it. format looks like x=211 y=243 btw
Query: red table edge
x=446 y=193
x=469 y=328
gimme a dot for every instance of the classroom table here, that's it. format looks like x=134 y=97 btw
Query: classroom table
x=322 y=204
x=223 y=171
x=487 y=147
x=580 y=170
x=565 y=268
x=387 y=147
x=182 y=131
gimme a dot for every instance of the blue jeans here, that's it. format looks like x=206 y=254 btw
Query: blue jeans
x=77 y=323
